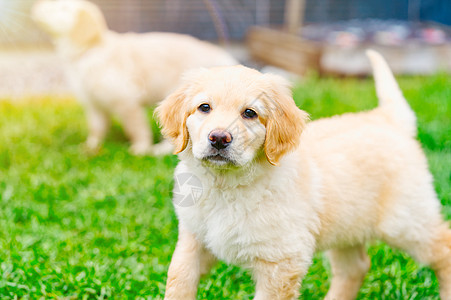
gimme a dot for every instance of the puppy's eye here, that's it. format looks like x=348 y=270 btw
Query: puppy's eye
x=205 y=108
x=249 y=114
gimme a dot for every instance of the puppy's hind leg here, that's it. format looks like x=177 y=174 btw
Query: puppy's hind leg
x=349 y=267
x=98 y=124
x=442 y=263
x=413 y=223
x=435 y=251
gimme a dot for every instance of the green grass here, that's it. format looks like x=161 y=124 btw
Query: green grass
x=95 y=227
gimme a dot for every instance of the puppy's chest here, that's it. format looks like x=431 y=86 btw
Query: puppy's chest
x=238 y=226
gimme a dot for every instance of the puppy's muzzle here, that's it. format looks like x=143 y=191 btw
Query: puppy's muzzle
x=220 y=139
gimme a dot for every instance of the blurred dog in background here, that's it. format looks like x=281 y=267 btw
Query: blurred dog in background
x=116 y=74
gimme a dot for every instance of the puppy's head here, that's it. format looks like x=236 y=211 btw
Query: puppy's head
x=231 y=116
x=80 y=21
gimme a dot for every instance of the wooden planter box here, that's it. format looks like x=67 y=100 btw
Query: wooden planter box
x=284 y=50
x=288 y=51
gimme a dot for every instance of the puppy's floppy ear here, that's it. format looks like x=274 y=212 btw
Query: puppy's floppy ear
x=285 y=120
x=89 y=27
x=173 y=111
x=172 y=114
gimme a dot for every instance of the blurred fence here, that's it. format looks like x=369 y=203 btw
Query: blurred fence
x=206 y=19
x=213 y=19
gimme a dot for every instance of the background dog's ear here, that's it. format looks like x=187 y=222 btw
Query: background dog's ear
x=89 y=27
x=172 y=114
x=285 y=120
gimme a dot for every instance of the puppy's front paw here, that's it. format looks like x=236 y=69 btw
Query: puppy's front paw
x=92 y=145
x=140 y=149
x=162 y=148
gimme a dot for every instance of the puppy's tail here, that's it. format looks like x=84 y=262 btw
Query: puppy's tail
x=391 y=99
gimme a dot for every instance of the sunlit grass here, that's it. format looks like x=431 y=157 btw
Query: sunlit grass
x=80 y=226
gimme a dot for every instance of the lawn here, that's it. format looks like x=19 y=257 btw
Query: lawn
x=95 y=227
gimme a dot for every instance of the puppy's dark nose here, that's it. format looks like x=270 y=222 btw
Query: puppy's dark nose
x=220 y=139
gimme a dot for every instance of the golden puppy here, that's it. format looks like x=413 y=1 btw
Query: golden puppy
x=272 y=196
x=118 y=74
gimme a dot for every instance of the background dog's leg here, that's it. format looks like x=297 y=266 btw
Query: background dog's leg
x=280 y=280
x=349 y=267
x=98 y=124
x=137 y=128
x=189 y=261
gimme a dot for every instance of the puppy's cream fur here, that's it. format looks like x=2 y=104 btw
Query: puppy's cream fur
x=118 y=74
x=273 y=201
